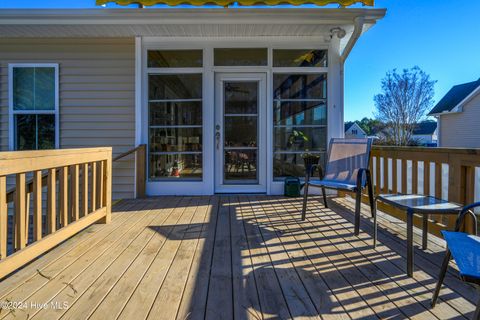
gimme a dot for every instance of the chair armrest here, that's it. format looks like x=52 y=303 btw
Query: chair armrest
x=461 y=217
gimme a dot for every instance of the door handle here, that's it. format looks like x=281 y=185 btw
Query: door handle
x=217 y=136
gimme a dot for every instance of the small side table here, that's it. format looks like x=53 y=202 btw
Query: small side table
x=419 y=204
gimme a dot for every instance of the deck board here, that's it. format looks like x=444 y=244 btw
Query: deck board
x=236 y=257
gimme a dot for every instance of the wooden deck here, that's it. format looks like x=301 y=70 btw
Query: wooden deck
x=234 y=257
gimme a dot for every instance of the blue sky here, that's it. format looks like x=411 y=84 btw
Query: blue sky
x=440 y=36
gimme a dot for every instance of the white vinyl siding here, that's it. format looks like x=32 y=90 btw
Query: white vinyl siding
x=461 y=129
x=97 y=95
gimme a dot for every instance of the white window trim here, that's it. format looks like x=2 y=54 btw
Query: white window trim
x=11 y=112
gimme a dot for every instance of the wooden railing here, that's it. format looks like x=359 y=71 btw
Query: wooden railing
x=77 y=187
x=140 y=153
x=448 y=173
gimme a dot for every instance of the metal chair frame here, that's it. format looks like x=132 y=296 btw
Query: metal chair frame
x=361 y=183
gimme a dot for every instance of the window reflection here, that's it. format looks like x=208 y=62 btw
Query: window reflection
x=299 y=58
x=175 y=166
x=299 y=119
x=175 y=126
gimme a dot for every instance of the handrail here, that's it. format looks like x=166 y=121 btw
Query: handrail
x=123 y=155
x=140 y=164
x=424 y=170
x=83 y=197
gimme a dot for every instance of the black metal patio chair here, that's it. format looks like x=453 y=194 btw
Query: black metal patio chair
x=347 y=169
x=465 y=250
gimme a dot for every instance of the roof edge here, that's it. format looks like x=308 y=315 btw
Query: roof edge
x=187 y=15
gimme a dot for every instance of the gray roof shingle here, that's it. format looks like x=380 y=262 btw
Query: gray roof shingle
x=455 y=96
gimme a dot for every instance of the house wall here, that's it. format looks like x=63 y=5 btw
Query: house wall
x=97 y=94
x=461 y=129
x=425 y=138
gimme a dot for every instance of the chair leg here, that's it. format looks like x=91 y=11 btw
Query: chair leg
x=441 y=276
x=324 y=198
x=358 y=201
x=370 y=194
x=305 y=199
x=375 y=233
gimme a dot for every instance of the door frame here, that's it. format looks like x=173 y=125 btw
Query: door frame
x=262 y=150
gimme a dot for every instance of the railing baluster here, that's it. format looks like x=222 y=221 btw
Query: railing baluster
x=63 y=194
x=74 y=177
x=394 y=175
x=51 y=201
x=27 y=215
x=84 y=189
x=385 y=175
x=93 y=184
x=377 y=174
x=426 y=178
x=438 y=180
x=3 y=217
x=404 y=176
x=414 y=176
x=37 y=205
x=20 y=218
x=100 y=181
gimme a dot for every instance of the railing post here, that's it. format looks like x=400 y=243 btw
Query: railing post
x=107 y=192
x=140 y=161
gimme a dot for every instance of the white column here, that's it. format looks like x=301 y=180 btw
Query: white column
x=335 y=112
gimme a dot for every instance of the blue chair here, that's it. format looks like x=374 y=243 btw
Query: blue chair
x=347 y=169
x=465 y=250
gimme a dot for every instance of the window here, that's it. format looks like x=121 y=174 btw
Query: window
x=299 y=58
x=354 y=132
x=175 y=118
x=241 y=57
x=33 y=104
x=300 y=120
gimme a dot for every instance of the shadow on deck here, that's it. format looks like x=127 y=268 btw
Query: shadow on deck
x=234 y=257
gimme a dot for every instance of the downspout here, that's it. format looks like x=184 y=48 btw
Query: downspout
x=357 y=32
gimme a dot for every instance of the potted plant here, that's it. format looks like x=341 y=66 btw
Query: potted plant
x=309 y=160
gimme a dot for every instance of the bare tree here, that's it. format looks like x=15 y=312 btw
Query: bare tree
x=405 y=99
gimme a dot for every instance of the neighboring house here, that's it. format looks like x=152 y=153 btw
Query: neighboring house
x=425 y=133
x=458 y=114
x=215 y=94
x=353 y=130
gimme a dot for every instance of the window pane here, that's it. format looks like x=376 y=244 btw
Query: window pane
x=241 y=57
x=241 y=97
x=241 y=131
x=34 y=88
x=46 y=131
x=175 y=86
x=299 y=86
x=175 y=113
x=25 y=132
x=299 y=58
x=300 y=113
x=291 y=164
x=44 y=89
x=300 y=139
x=23 y=88
x=240 y=166
x=188 y=166
x=175 y=139
x=175 y=58
x=27 y=128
